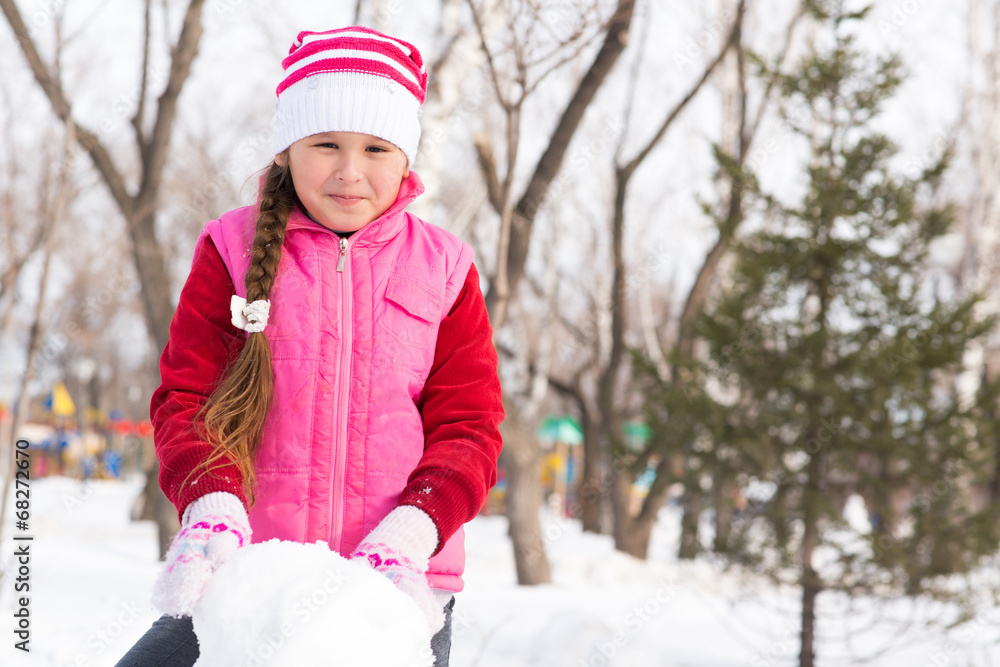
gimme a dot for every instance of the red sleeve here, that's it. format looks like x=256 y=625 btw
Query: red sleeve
x=203 y=342
x=462 y=408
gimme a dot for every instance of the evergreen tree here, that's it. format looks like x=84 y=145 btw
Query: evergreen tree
x=831 y=367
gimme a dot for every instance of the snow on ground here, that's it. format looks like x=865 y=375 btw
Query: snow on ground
x=92 y=572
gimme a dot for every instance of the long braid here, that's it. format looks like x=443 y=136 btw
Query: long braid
x=233 y=417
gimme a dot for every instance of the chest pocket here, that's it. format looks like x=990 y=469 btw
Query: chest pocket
x=412 y=312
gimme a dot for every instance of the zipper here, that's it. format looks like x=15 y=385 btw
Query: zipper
x=340 y=410
x=343 y=403
x=343 y=254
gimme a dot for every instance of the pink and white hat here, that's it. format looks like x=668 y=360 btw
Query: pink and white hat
x=351 y=80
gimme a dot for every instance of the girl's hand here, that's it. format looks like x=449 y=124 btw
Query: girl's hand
x=399 y=548
x=214 y=527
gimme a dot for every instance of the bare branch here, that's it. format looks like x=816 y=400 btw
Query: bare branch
x=523 y=215
x=728 y=44
x=45 y=79
x=61 y=107
x=633 y=83
x=568 y=57
x=699 y=290
x=565 y=44
x=434 y=72
x=140 y=138
x=83 y=25
x=551 y=160
x=494 y=76
x=488 y=165
x=180 y=67
x=772 y=81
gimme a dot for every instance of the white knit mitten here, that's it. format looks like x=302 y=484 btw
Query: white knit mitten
x=399 y=548
x=213 y=528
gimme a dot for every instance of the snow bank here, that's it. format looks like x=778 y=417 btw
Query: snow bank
x=279 y=604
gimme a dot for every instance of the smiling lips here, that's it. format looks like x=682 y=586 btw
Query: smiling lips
x=347 y=200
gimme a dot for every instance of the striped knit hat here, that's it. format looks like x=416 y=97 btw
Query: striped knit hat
x=351 y=80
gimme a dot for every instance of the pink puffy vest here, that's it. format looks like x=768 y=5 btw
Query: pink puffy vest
x=352 y=327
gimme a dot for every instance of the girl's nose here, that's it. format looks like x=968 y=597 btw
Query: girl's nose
x=348 y=168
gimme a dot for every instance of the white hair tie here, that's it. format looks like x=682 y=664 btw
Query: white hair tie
x=251 y=317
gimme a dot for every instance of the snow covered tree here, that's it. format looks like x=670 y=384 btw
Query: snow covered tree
x=833 y=369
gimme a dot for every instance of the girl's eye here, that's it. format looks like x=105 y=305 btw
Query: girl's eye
x=327 y=145
x=377 y=149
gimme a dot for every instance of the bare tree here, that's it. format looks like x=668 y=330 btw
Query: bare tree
x=57 y=193
x=979 y=134
x=530 y=67
x=604 y=403
x=451 y=64
x=632 y=533
x=730 y=215
x=138 y=207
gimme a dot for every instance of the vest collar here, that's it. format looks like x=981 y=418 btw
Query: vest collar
x=378 y=231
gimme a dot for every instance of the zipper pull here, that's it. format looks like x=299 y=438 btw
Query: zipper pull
x=343 y=255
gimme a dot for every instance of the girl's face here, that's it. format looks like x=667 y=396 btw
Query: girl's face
x=345 y=179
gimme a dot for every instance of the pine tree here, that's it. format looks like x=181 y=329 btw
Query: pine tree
x=831 y=367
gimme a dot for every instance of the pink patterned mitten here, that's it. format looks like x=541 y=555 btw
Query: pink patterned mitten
x=213 y=528
x=399 y=548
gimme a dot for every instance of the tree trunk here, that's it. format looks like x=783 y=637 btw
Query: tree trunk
x=611 y=423
x=810 y=590
x=591 y=490
x=151 y=265
x=811 y=584
x=154 y=506
x=520 y=454
x=690 y=545
x=632 y=534
x=724 y=505
x=621 y=501
x=521 y=458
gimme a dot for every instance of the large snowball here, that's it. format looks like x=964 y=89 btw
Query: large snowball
x=285 y=604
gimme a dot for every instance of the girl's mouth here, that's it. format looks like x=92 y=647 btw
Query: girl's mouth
x=346 y=200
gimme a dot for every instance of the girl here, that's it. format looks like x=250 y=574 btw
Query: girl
x=330 y=373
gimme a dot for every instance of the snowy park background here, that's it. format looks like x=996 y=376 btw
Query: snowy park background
x=93 y=567
x=93 y=572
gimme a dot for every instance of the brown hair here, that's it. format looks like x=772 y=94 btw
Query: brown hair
x=233 y=417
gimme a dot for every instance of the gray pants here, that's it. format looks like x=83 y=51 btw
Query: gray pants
x=171 y=642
